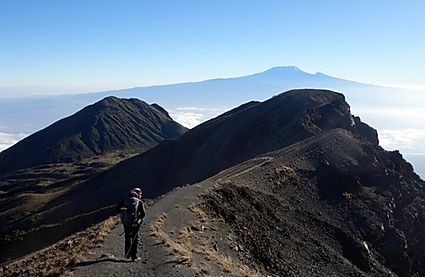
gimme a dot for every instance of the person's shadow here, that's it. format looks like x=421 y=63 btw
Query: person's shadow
x=101 y=260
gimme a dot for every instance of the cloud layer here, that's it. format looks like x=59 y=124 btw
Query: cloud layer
x=193 y=116
x=408 y=141
x=7 y=140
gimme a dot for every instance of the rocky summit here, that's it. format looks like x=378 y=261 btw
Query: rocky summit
x=51 y=162
x=238 y=135
x=334 y=204
x=112 y=124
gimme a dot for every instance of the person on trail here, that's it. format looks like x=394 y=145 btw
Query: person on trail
x=132 y=212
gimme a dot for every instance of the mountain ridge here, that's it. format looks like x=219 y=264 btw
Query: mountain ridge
x=162 y=94
x=223 y=142
x=332 y=204
x=319 y=141
x=108 y=125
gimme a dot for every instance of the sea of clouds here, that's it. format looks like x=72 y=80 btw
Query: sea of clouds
x=193 y=116
x=7 y=140
x=410 y=142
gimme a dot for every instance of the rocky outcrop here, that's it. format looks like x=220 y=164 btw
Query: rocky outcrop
x=333 y=204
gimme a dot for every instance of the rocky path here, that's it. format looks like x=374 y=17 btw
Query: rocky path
x=187 y=243
x=108 y=260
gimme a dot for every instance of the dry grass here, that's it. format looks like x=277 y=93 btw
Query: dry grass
x=158 y=224
x=205 y=271
x=185 y=234
x=196 y=209
x=181 y=248
x=225 y=182
x=56 y=259
x=227 y=264
x=206 y=249
x=285 y=174
x=197 y=226
x=112 y=158
x=148 y=202
x=30 y=202
x=347 y=195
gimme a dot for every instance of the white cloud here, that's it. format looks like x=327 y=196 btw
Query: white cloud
x=193 y=116
x=199 y=109
x=392 y=118
x=7 y=140
x=189 y=119
x=391 y=111
x=408 y=141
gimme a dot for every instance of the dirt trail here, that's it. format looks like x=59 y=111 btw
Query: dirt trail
x=156 y=258
x=108 y=260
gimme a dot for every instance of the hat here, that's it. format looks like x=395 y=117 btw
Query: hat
x=138 y=191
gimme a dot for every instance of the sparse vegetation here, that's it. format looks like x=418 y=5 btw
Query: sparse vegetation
x=347 y=195
x=196 y=209
x=183 y=247
x=56 y=259
x=225 y=182
x=206 y=271
x=226 y=263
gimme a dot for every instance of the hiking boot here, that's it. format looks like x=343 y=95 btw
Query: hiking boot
x=135 y=259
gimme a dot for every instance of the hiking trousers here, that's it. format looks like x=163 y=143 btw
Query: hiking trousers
x=131 y=235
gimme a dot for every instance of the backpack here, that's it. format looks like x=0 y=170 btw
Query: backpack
x=128 y=211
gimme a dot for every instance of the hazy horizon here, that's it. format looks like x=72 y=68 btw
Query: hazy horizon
x=54 y=48
x=42 y=91
x=289 y=133
x=61 y=46
x=400 y=126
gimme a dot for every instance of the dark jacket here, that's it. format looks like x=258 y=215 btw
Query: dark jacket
x=131 y=209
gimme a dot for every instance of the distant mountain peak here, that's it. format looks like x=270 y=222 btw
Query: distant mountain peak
x=289 y=68
x=285 y=72
x=111 y=124
x=320 y=74
x=109 y=98
x=106 y=102
x=161 y=109
x=113 y=100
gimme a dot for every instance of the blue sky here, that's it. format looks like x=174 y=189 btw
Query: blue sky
x=80 y=45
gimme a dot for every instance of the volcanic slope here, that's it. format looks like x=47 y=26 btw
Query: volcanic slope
x=332 y=176
x=331 y=205
x=75 y=148
x=238 y=135
x=109 y=125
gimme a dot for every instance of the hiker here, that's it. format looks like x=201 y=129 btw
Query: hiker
x=132 y=212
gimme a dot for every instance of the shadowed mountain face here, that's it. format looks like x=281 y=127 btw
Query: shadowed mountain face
x=328 y=187
x=109 y=125
x=27 y=114
x=243 y=133
x=37 y=112
x=192 y=103
x=331 y=205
